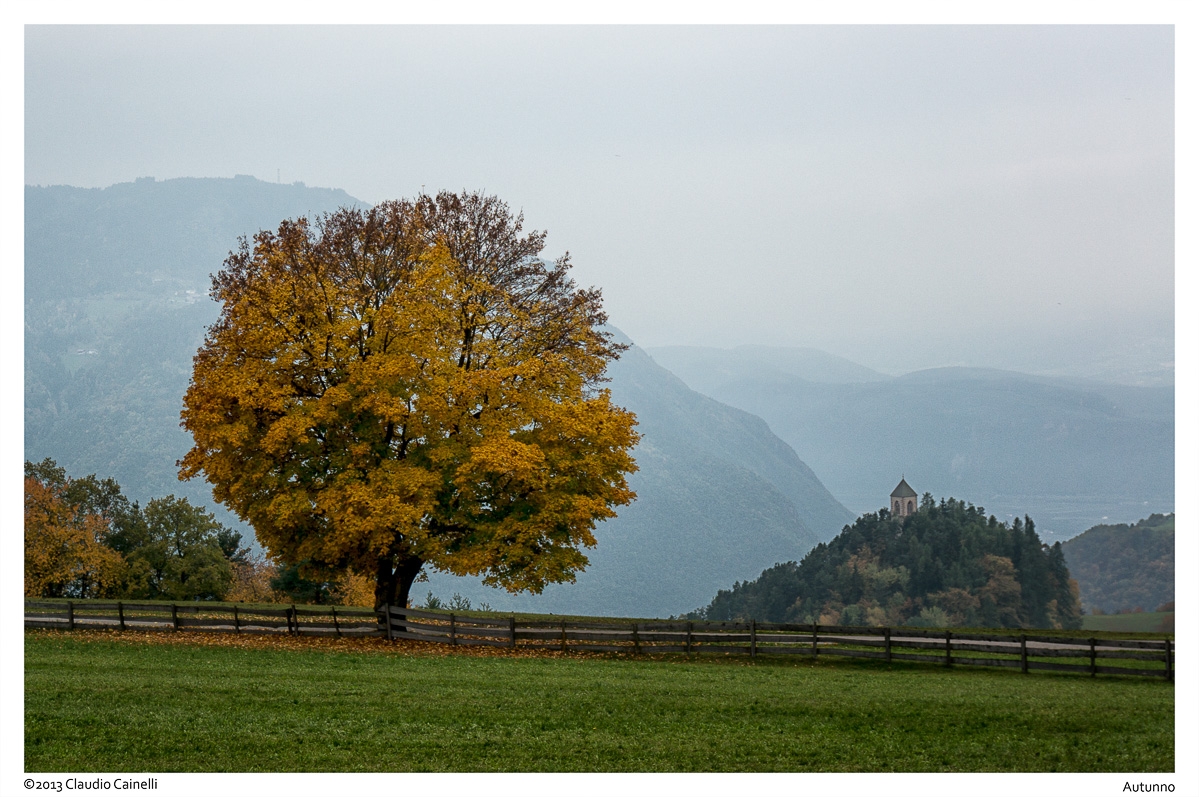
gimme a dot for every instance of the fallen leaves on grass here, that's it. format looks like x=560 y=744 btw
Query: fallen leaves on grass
x=344 y=644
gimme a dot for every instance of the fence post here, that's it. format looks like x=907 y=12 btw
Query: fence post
x=512 y=631
x=453 y=630
x=948 y=647
x=1024 y=653
x=636 y=640
x=690 y=628
x=1169 y=664
x=387 y=619
x=887 y=643
x=121 y=614
x=753 y=638
x=236 y=621
x=174 y=617
x=293 y=625
x=815 y=637
x=336 y=625
x=70 y=615
x=563 y=636
x=1093 y=670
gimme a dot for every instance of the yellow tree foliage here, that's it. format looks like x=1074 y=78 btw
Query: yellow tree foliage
x=1002 y=590
x=65 y=554
x=353 y=589
x=252 y=582
x=410 y=386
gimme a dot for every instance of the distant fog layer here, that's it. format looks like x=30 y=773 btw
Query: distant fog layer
x=1069 y=453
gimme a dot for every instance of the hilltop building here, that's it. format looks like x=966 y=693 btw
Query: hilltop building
x=903 y=500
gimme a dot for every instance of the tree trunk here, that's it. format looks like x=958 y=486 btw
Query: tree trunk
x=393 y=580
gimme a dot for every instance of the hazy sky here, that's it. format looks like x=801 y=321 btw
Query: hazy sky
x=905 y=196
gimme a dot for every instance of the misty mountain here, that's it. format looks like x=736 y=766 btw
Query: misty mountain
x=717 y=491
x=150 y=237
x=1121 y=567
x=1069 y=453
x=705 y=368
x=116 y=305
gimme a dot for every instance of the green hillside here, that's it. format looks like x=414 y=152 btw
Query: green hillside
x=1121 y=567
x=1135 y=622
x=947 y=565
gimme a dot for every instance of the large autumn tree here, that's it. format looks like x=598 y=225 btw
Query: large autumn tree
x=410 y=386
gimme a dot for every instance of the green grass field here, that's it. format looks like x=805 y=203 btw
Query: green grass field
x=1144 y=622
x=104 y=702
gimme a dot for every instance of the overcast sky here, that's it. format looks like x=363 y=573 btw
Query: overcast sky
x=904 y=196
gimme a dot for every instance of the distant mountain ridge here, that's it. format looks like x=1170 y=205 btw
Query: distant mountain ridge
x=81 y=242
x=1069 y=452
x=116 y=305
x=710 y=367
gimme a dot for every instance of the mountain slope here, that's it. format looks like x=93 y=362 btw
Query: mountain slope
x=1122 y=567
x=668 y=410
x=705 y=368
x=116 y=284
x=1067 y=452
x=719 y=497
x=134 y=237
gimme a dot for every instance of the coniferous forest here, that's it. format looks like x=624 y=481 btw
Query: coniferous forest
x=949 y=564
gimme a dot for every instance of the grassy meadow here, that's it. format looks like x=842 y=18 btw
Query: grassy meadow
x=1136 y=622
x=111 y=701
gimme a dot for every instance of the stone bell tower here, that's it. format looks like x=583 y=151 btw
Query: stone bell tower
x=903 y=500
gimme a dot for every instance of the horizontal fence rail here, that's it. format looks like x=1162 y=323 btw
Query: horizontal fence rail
x=1024 y=651
x=333 y=621
x=1028 y=652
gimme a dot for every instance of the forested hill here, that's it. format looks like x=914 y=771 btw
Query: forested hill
x=947 y=565
x=1124 y=567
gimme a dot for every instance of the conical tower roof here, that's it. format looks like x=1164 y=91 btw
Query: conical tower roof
x=904 y=490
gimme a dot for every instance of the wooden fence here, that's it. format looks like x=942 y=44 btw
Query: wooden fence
x=332 y=620
x=1152 y=658
x=1024 y=651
